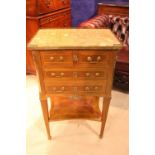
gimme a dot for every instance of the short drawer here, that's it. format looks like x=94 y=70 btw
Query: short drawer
x=75 y=89
x=93 y=58
x=56 y=58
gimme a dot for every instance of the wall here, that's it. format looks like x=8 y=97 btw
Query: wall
x=82 y=10
x=85 y=9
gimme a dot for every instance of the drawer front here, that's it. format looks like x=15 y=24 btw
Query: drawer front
x=55 y=58
x=93 y=58
x=76 y=88
x=76 y=75
x=56 y=21
x=46 y=6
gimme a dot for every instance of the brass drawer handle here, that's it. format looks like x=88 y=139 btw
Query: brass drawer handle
x=53 y=74
x=61 y=58
x=62 y=74
x=89 y=59
x=51 y=58
x=87 y=74
x=97 y=74
x=59 y=91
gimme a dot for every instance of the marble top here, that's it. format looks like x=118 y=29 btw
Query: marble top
x=48 y=39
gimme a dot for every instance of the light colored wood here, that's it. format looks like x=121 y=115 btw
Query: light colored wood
x=71 y=91
x=45 y=112
x=38 y=65
x=47 y=39
x=76 y=87
x=105 y=108
x=79 y=108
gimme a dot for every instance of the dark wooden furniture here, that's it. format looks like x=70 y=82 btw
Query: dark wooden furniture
x=44 y=14
x=113 y=9
x=74 y=70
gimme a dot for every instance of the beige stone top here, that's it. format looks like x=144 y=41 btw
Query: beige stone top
x=48 y=39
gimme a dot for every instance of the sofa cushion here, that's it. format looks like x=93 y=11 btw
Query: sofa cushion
x=120 y=27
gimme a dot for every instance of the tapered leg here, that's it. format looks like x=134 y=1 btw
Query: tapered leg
x=46 y=116
x=105 y=108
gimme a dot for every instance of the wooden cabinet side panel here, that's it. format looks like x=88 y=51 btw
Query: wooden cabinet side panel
x=110 y=73
x=31 y=29
x=38 y=66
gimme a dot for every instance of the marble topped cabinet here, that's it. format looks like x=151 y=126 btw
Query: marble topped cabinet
x=75 y=67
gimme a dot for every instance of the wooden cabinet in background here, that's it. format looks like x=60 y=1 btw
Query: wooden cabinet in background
x=44 y=14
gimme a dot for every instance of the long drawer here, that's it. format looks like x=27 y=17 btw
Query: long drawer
x=76 y=88
x=85 y=74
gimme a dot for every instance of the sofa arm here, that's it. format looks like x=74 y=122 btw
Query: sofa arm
x=100 y=21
